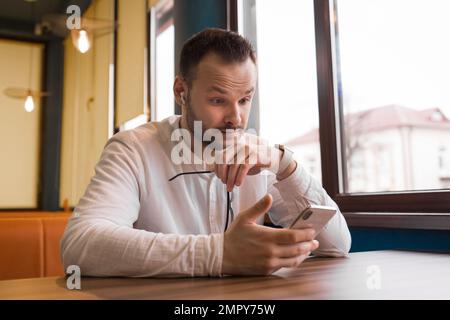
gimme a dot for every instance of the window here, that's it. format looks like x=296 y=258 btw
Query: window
x=163 y=66
x=383 y=108
x=285 y=108
x=394 y=71
x=134 y=123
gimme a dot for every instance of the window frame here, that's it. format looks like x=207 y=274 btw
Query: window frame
x=421 y=209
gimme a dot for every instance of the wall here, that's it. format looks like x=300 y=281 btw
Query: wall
x=369 y=239
x=131 y=60
x=19 y=130
x=193 y=16
x=86 y=111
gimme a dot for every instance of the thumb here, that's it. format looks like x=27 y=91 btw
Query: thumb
x=259 y=208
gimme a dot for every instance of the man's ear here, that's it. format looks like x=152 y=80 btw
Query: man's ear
x=179 y=90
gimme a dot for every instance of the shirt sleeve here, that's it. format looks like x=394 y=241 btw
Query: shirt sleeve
x=295 y=193
x=101 y=240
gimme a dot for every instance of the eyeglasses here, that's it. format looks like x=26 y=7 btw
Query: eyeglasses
x=229 y=209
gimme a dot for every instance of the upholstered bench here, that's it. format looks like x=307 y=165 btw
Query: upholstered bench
x=29 y=244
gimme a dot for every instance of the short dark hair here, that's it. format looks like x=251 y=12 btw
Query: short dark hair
x=229 y=45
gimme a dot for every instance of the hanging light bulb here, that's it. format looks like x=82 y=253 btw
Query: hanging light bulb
x=81 y=41
x=29 y=103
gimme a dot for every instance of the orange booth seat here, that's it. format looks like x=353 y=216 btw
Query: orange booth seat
x=29 y=244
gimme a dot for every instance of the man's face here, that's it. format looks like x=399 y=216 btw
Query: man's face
x=221 y=94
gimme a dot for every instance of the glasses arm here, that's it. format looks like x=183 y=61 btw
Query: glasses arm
x=184 y=173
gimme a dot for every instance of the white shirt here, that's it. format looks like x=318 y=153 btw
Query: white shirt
x=132 y=221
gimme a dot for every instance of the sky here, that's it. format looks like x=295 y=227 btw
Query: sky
x=287 y=69
x=391 y=51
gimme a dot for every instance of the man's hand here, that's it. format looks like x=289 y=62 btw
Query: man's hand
x=248 y=156
x=251 y=249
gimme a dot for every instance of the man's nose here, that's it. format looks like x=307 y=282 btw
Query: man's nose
x=233 y=118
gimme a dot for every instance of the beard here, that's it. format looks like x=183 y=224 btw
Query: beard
x=191 y=117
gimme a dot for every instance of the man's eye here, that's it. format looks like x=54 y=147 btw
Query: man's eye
x=244 y=101
x=217 y=101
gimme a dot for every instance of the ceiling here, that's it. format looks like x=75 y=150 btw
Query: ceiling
x=21 y=15
x=21 y=10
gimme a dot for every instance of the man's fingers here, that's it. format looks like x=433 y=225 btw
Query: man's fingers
x=295 y=250
x=292 y=236
x=243 y=171
x=219 y=171
x=241 y=155
x=236 y=175
x=222 y=172
x=259 y=208
x=292 y=262
x=232 y=173
x=233 y=153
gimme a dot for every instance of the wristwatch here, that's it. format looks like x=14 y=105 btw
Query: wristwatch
x=286 y=158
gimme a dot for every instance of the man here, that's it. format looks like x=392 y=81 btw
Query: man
x=145 y=214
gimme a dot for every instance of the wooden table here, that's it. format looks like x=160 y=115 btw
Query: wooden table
x=364 y=275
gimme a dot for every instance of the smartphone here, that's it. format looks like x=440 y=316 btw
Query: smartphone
x=314 y=217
